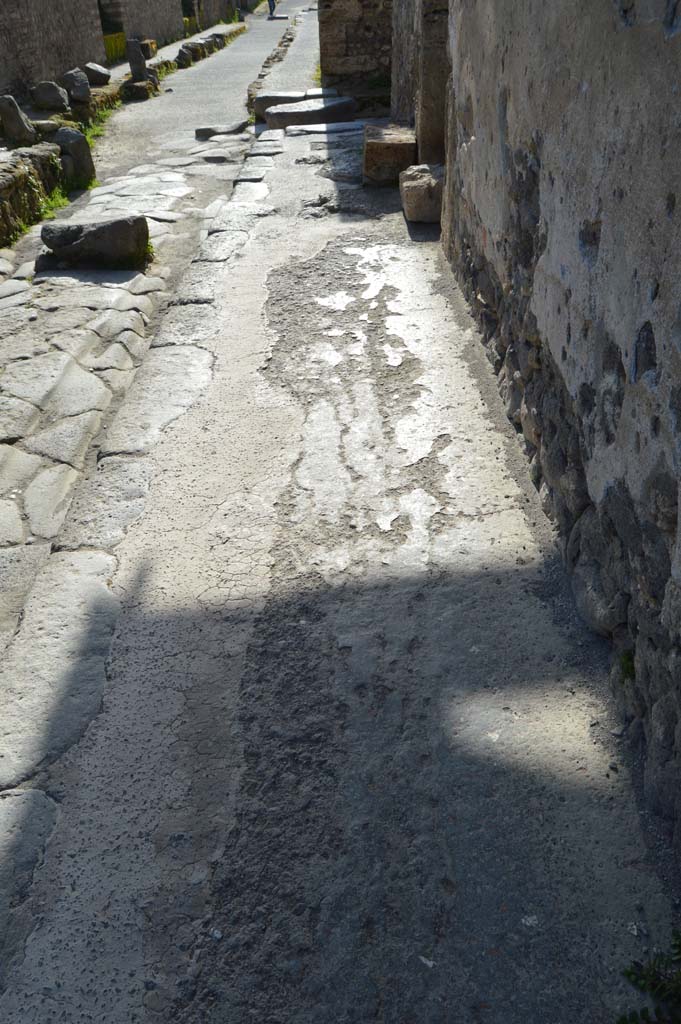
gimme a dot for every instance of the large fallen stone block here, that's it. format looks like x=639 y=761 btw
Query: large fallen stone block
x=112 y=243
x=96 y=74
x=77 y=86
x=16 y=127
x=50 y=96
x=197 y=49
x=421 y=193
x=136 y=92
x=387 y=152
x=324 y=111
x=264 y=100
x=76 y=147
x=185 y=57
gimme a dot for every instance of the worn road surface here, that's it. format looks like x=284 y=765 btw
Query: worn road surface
x=326 y=741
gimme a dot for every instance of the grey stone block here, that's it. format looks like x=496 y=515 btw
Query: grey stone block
x=73 y=144
x=114 y=243
x=341 y=108
x=50 y=96
x=421 y=193
x=18 y=569
x=17 y=418
x=67 y=441
x=11 y=526
x=96 y=74
x=47 y=499
x=16 y=127
x=77 y=85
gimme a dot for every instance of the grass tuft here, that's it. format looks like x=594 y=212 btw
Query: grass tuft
x=95 y=130
x=627 y=665
x=659 y=978
x=56 y=200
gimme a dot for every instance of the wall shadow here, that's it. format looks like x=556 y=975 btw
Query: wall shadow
x=376 y=801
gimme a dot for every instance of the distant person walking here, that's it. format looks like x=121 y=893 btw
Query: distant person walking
x=273 y=6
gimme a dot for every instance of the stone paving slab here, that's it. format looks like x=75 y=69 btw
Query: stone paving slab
x=70 y=598
x=107 y=504
x=180 y=374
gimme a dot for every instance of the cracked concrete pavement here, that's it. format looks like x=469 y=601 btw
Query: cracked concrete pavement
x=300 y=722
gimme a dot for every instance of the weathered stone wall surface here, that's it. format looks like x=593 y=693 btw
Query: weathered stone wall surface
x=210 y=12
x=356 y=42
x=420 y=71
x=433 y=71
x=153 y=19
x=406 y=31
x=41 y=39
x=563 y=221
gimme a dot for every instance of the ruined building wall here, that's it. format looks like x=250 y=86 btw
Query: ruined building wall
x=356 y=42
x=153 y=19
x=406 y=30
x=213 y=11
x=563 y=221
x=41 y=39
x=420 y=72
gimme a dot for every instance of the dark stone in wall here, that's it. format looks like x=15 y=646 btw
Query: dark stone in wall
x=40 y=40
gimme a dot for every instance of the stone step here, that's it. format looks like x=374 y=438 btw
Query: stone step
x=324 y=111
x=334 y=128
x=264 y=100
x=387 y=152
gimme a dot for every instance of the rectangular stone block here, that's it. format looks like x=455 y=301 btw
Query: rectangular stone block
x=388 y=152
x=334 y=108
x=421 y=193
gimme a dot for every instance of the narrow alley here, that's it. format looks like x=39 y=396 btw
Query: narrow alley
x=300 y=723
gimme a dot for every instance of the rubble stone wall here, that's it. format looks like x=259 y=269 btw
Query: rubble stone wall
x=563 y=221
x=153 y=19
x=356 y=42
x=213 y=11
x=41 y=40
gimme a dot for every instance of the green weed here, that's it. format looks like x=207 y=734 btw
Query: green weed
x=659 y=978
x=56 y=200
x=627 y=665
x=95 y=130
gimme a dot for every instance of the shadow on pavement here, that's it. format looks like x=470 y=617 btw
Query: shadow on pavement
x=374 y=801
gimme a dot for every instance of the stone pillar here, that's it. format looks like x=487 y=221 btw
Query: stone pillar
x=432 y=74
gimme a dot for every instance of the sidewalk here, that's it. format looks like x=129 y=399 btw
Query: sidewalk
x=169 y=52
x=71 y=342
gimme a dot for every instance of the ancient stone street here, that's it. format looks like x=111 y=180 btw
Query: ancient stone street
x=299 y=721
